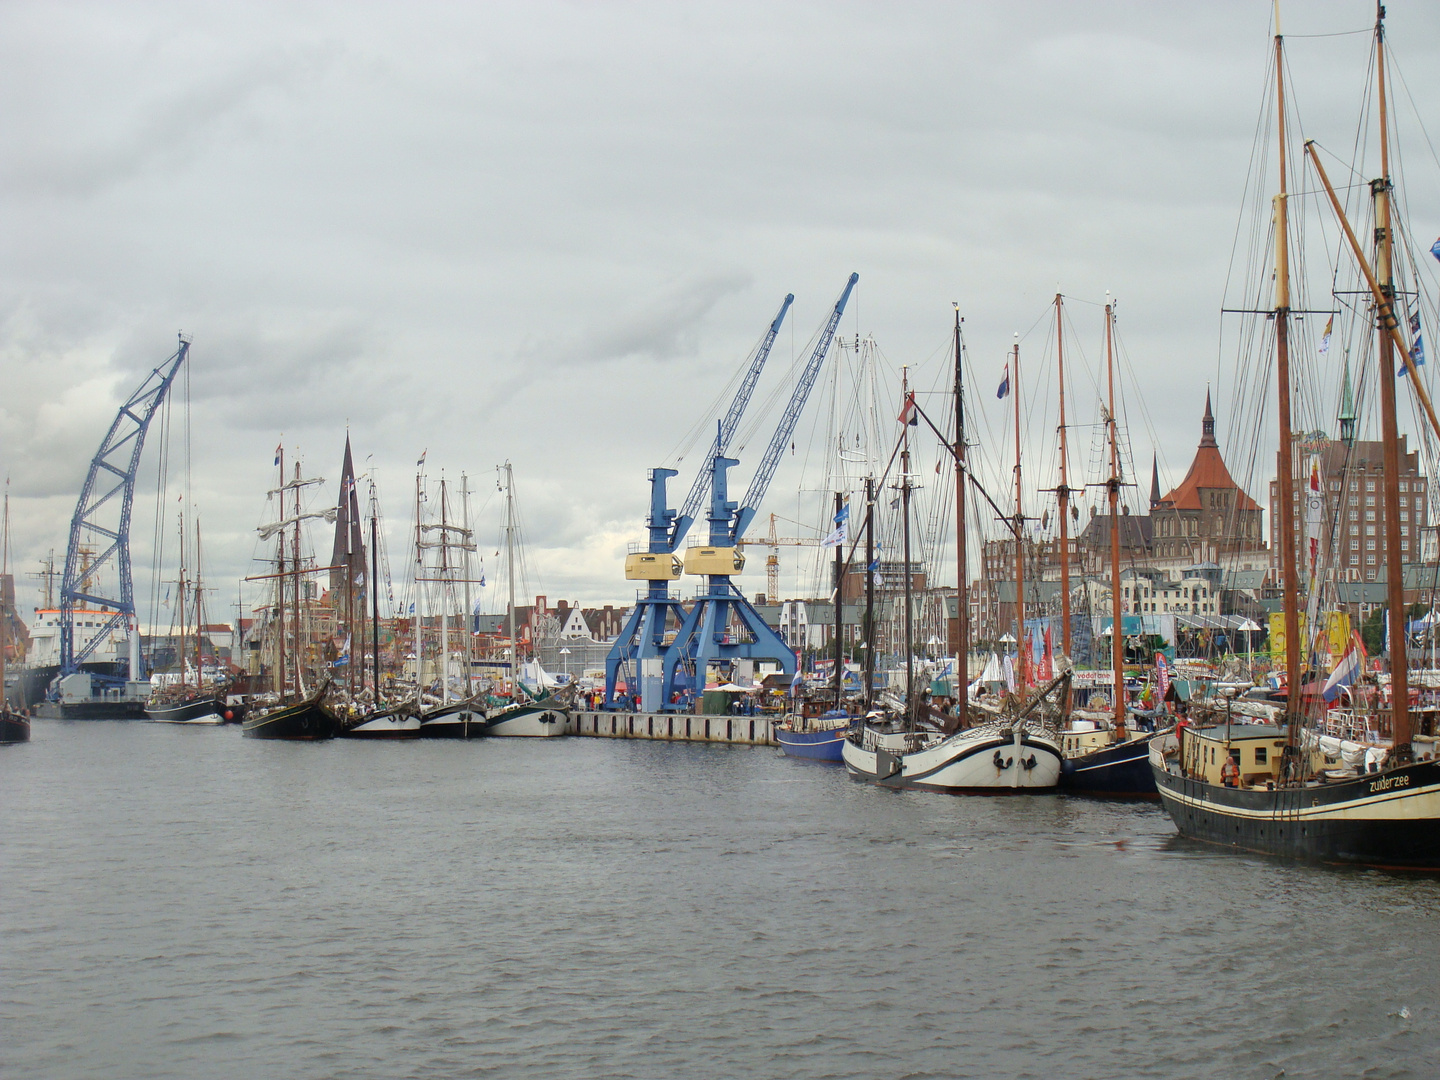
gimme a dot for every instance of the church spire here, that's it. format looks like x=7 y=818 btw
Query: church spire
x=1207 y=424
x=1347 y=408
x=1154 y=481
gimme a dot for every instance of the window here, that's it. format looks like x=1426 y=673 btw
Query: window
x=1370 y=560
x=1404 y=515
x=1261 y=754
x=1369 y=485
x=1354 y=515
x=1404 y=487
x=1354 y=543
x=1369 y=545
x=1404 y=501
x=1369 y=500
x=1335 y=485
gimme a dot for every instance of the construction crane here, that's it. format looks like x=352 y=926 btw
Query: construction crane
x=772 y=561
x=641 y=644
x=704 y=636
x=104 y=511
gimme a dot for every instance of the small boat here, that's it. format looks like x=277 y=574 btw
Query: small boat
x=395 y=722
x=1010 y=754
x=307 y=720
x=196 y=709
x=14 y=726
x=549 y=716
x=1106 y=768
x=819 y=738
x=456 y=720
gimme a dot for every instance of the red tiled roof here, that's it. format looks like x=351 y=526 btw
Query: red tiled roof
x=1206 y=471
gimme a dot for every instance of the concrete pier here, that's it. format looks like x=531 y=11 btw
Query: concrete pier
x=674 y=727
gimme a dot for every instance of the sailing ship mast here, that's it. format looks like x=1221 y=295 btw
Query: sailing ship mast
x=280 y=673
x=910 y=699
x=1019 y=529
x=1112 y=485
x=1289 y=573
x=510 y=566
x=419 y=590
x=444 y=597
x=199 y=612
x=468 y=547
x=869 y=693
x=962 y=586
x=1062 y=490
x=839 y=621
x=1395 y=576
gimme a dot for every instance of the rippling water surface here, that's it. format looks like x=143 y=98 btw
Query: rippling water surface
x=187 y=903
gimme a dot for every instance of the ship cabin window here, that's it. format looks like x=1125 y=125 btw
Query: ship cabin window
x=1261 y=755
x=1235 y=755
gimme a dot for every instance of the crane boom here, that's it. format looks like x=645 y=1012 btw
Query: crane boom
x=766 y=472
x=691 y=507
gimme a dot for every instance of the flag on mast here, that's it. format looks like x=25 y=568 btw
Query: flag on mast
x=1330 y=325
x=1004 y=390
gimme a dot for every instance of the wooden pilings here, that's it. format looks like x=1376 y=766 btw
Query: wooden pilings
x=674 y=727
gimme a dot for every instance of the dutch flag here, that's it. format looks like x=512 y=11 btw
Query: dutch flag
x=1345 y=673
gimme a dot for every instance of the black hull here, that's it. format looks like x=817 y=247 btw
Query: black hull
x=307 y=721
x=33 y=683
x=1387 y=820
x=1115 y=772
x=92 y=710
x=13 y=729
x=185 y=712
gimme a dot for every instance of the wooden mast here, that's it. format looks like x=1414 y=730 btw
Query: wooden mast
x=910 y=699
x=869 y=693
x=1289 y=574
x=962 y=583
x=199 y=612
x=280 y=583
x=375 y=598
x=182 y=642
x=445 y=597
x=1062 y=491
x=1024 y=680
x=1394 y=567
x=419 y=635
x=839 y=622
x=465 y=558
x=295 y=573
x=5 y=611
x=1112 y=485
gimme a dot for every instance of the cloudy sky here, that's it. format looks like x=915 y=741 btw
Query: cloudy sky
x=550 y=232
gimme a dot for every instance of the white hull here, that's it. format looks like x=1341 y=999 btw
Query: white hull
x=527 y=722
x=986 y=760
x=208 y=718
x=385 y=727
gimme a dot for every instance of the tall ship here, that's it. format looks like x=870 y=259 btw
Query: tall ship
x=1277 y=784
x=295 y=708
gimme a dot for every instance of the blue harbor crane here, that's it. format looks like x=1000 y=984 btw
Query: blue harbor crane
x=641 y=643
x=104 y=511
x=704 y=636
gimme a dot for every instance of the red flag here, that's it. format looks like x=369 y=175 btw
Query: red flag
x=908 y=414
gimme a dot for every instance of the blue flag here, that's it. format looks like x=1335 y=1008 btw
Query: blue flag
x=1435 y=249
x=843 y=514
x=1417 y=351
x=1004 y=390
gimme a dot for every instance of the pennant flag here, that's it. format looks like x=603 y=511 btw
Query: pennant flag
x=1330 y=325
x=1417 y=351
x=841 y=532
x=1345 y=673
x=1004 y=390
x=908 y=414
x=278 y=450
x=421 y=462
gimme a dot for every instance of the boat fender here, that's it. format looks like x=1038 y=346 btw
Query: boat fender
x=229 y=715
x=1002 y=762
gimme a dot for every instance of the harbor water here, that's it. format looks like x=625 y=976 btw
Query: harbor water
x=186 y=903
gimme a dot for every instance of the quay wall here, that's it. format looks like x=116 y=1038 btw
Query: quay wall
x=674 y=727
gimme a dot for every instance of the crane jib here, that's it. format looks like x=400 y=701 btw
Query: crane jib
x=766 y=472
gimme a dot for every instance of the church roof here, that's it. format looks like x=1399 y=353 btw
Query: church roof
x=1206 y=471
